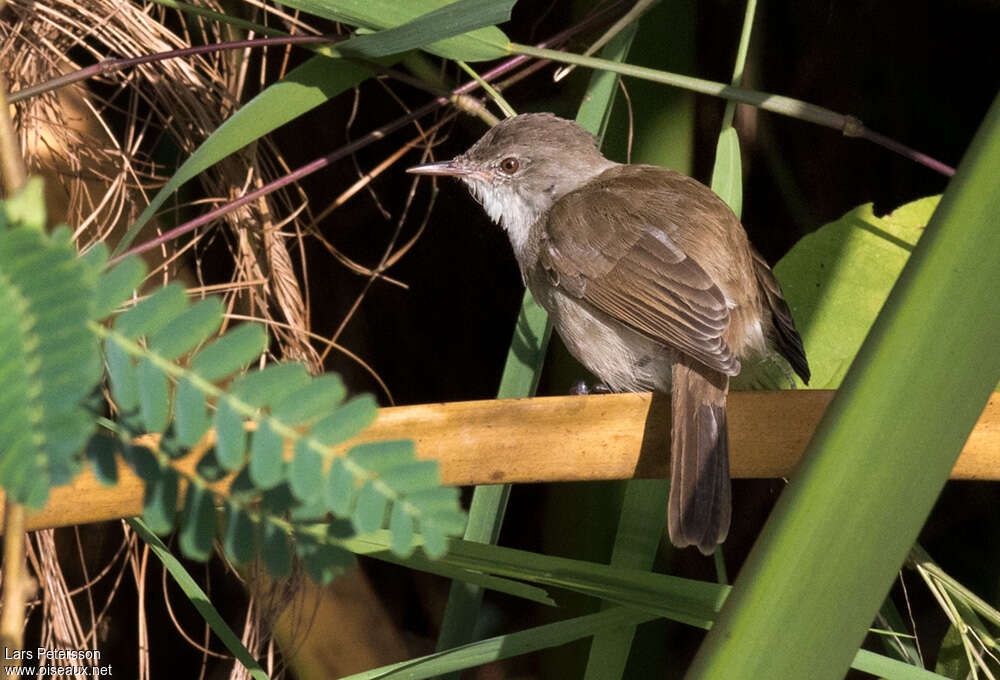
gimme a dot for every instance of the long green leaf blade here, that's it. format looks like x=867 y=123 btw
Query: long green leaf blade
x=304 y=88
x=445 y=22
x=199 y=599
x=881 y=453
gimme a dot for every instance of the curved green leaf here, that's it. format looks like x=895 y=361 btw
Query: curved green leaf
x=425 y=21
x=727 y=173
x=316 y=398
x=154 y=406
x=117 y=285
x=159 y=504
x=836 y=280
x=153 y=313
x=305 y=476
x=189 y=329
x=303 y=89
x=240 y=542
x=230 y=353
x=50 y=361
x=231 y=436
x=198 y=523
x=340 y=490
x=267 y=465
x=270 y=384
x=190 y=416
x=347 y=421
x=453 y=19
x=276 y=550
x=370 y=509
x=124 y=379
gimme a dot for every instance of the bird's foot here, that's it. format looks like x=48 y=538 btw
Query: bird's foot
x=581 y=387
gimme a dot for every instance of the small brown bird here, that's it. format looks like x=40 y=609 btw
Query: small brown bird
x=649 y=279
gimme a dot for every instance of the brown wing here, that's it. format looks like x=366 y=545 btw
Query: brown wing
x=633 y=271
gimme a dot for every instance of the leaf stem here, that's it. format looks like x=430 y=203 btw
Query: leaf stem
x=786 y=106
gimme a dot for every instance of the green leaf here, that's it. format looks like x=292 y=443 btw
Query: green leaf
x=208 y=467
x=448 y=21
x=412 y=477
x=153 y=313
x=154 y=405
x=275 y=550
x=883 y=449
x=381 y=456
x=142 y=462
x=50 y=360
x=230 y=353
x=270 y=384
x=485 y=43
x=347 y=421
x=340 y=490
x=837 y=279
x=159 y=503
x=198 y=523
x=952 y=661
x=231 y=436
x=240 y=542
x=27 y=207
x=435 y=541
x=370 y=509
x=199 y=599
x=190 y=416
x=637 y=538
x=304 y=88
x=305 y=475
x=124 y=380
x=316 y=398
x=322 y=561
x=277 y=501
x=401 y=528
x=188 y=329
x=101 y=455
x=267 y=464
x=117 y=285
x=727 y=174
x=505 y=646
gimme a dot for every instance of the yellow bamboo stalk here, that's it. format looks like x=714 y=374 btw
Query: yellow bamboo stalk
x=549 y=439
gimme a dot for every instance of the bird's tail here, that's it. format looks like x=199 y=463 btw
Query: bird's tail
x=700 y=502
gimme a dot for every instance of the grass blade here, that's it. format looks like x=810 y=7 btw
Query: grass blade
x=198 y=598
x=925 y=367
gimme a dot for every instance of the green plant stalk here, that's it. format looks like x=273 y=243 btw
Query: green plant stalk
x=505 y=646
x=497 y=98
x=763 y=100
x=198 y=598
x=741 y=60
x=881 y=453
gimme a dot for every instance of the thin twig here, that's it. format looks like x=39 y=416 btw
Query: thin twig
x=14 y=581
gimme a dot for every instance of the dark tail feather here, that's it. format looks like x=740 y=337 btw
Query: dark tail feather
x=700 y=501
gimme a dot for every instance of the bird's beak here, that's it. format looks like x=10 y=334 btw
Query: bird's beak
x=448 y=168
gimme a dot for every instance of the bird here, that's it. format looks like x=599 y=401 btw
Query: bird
x=649 y=279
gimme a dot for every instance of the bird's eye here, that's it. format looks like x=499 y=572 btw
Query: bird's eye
x=509 y=165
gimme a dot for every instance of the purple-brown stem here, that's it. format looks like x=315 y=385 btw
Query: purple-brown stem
x=107 y=66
